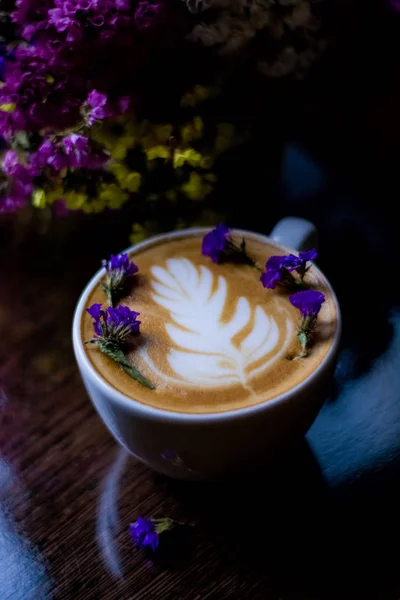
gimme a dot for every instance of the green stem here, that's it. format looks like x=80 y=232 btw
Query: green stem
x=112 y=299
x=119 y=357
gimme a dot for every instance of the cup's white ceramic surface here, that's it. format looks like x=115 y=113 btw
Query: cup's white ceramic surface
x=196 y=446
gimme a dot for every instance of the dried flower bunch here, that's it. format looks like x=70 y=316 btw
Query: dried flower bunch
x=83 y=130
x=287 y=271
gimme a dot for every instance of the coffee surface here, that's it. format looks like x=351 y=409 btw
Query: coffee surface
x=212 y=337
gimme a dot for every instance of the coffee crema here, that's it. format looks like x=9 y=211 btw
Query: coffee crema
x=212 y=338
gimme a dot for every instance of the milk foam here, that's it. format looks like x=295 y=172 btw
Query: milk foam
x=203 y=350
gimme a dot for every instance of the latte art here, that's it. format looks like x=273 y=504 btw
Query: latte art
x=212 y=337
x=205 y=352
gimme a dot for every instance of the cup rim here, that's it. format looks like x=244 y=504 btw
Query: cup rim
x=161 y=414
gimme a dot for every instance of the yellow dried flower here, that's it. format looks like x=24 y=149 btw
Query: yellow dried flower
x=42 y=197
x=158 y=152
x=192 y=130
x=75 y=200
x=189 y=155
x=39 y=198
x=128 y=180
x=197 y=187
x=112 y=195
x=162 y=133
x=198 y=94
x=9 y=107
x=117 y=136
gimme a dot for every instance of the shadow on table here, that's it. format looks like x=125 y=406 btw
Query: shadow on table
x=284 y=530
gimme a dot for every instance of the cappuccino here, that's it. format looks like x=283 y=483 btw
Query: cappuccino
x=213 y=339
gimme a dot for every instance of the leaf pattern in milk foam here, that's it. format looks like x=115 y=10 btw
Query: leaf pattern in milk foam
x=205 y=353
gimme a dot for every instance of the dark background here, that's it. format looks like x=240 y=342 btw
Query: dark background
x=323 y=522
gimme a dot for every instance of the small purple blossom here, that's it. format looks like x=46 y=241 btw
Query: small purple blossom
x=215 y=242
x=121 y=263
x=114 y=325
x=143 y=533
x=274 y=272
x=16 y=183
x=71 y=152
x=278 y=269
x=298 y=263
x=147 y=14
x=118 y=270
x=308 y=302
x=146 y=533
x=113 y=328
x=96 y=101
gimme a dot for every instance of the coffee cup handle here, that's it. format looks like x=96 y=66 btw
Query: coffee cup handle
x=295 y=233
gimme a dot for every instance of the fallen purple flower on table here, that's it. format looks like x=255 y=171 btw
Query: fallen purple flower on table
x=118 y=270
x=143 y=533
x=113 y=328
x=146 y=533
x=309 y=303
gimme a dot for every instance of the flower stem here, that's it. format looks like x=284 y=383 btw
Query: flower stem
x=112 y=299
x=119 y=357
x=304 y=340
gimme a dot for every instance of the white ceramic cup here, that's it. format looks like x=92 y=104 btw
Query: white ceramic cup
x=198 y=446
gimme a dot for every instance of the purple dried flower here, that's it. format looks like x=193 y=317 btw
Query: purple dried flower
x=140 y=528
x=147 y=14
x=96 y=313
x=114 y=324
x=278 y=269
x=120 y=263
x=274 y=272
x=113 y=328
x=71 y=152
x=143 y=533
x=308 y=302
x=299 y=263
x=308 y=255
x=118 y=270
x=96 y=101
x=215 y=242
x=146 y=533
x=219 y=246
x=16 y=183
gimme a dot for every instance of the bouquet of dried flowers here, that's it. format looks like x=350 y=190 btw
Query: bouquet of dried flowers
x=109 y=102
